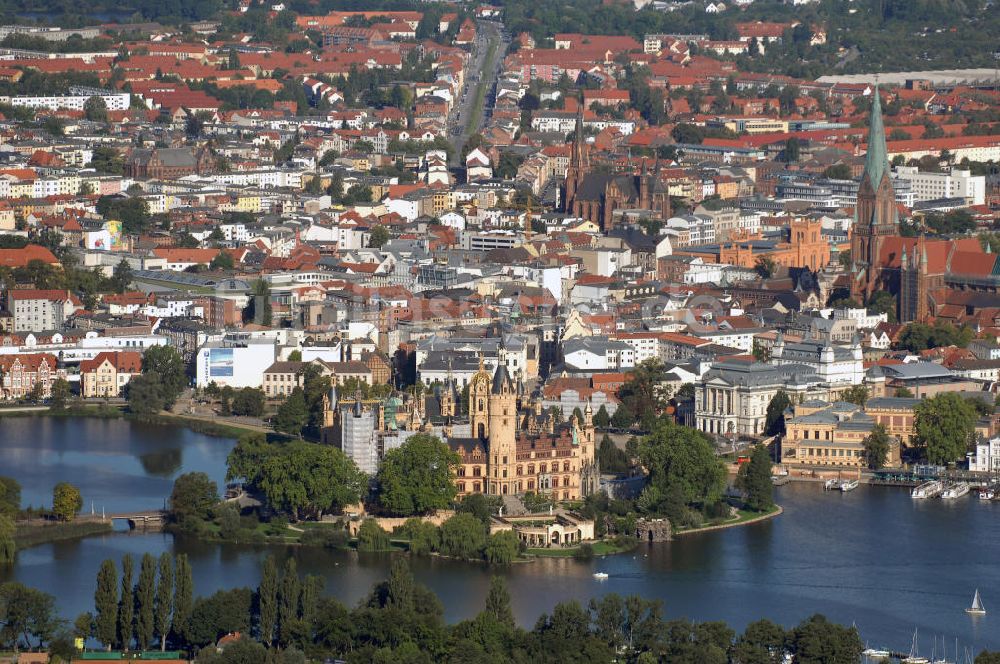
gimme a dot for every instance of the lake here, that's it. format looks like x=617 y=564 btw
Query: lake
x=873 y=557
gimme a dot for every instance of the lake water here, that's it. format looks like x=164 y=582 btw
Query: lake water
x=873 y=557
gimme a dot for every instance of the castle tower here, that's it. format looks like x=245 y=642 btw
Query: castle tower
x=503 y=432
x=875 y=213
x=479 y=402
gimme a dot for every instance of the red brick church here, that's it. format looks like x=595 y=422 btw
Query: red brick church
x=930 y=278
x=595 y=196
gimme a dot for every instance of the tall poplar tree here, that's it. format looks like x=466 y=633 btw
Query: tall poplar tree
x=164 y=598
x=126 y=605
x=145 y=595
x=106 y=604
x=183 y=599
x=288 y=607
x=267 y=598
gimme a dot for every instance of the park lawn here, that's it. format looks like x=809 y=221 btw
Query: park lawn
x=742 y=516
x=600 y=548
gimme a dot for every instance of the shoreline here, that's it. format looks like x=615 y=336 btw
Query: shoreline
x=778 y=510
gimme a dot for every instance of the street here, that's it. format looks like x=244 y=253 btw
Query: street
x=479 y=89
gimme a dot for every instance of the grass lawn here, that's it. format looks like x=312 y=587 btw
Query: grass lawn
x=600 y=548
x=742 y=516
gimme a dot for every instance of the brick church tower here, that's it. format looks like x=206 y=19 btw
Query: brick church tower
x=876 y=216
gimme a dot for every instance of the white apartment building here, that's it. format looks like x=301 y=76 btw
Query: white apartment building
x=114 y=102
x=955 y=184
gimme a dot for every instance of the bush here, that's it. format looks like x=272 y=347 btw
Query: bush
x=326 y=537
x=371 y=537
x=717 y=510
x=585 y=552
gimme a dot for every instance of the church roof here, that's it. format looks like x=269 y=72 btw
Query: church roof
x=877 y=157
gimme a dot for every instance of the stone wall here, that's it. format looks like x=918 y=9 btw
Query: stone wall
x=653 y=530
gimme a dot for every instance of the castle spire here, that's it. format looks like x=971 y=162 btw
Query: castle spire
x=876 y=159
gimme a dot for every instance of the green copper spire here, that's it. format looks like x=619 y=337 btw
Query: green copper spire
x=877 y=159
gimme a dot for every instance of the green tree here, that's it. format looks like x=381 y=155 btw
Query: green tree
x=183 y=599
x=903 y=393
x=145 y=394
x=762 y=642
x=267 y=601
x=95 y=110
x=642 y=394
x=192 y=498
x=610 y=458
x=378 y=237
x=680 y=457
x=298 y=478
x=27 y=616
x=145 y=597
x=944 y=426
x=7 y=546
x=856 y=394
x=818 y=641
x=883 y=302
x=10 y=496
x=415 y=478
x=792 y=150
x=59 y=394
x=167 y=363
x=601 y=418
x=106 y=604
x=463 y=536
x=774 y=421
x=754 y=480
x=164 y=598
x=248 y=401
x=293 y=414
x=66 y=501
x=876 y=447
x=126 y=605
x=502 y=547
x=498 y=602
x=223 y=261
x=289 y=595
x=765 y=267
x=371 y=537
x=425 y=537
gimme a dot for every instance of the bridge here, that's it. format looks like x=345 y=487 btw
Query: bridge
x=152 y=519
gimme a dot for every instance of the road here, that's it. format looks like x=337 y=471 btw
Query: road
x=479 y=91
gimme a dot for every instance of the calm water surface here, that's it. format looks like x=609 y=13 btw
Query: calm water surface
x=873 y=557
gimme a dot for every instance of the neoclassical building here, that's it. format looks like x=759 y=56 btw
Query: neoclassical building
x=514 y=451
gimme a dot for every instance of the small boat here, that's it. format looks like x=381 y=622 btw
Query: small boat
x=987 y=493
x=600 y=576
x=780 y=480
x=955 y=490
x=977 y=608
x=832 y=485
x=848 y=485
x=927 y=489
x=875 y=654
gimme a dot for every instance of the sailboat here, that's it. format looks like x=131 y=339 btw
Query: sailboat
x=977 y=608
x=914 y=658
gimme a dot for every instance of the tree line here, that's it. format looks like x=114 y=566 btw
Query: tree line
x=287 y=619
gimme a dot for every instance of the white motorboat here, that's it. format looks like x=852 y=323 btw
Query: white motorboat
x=601 y=576
x=848 y=485
x=987 y=493
x=977 y=608
x=832 y=484
x=927 y=489
x=955 y=490
x=875 y=654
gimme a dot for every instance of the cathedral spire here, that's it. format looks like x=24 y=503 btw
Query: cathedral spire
x=876 y=159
